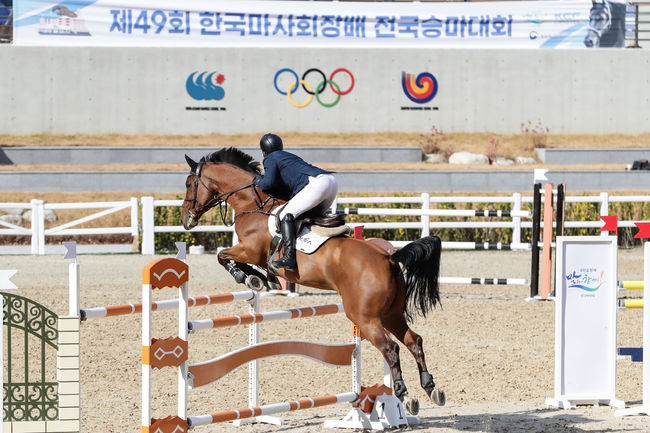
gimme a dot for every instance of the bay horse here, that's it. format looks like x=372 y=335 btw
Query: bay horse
x=380 y=291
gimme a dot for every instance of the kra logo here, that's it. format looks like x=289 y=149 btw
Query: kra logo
x=420 y=89
x=205 y=87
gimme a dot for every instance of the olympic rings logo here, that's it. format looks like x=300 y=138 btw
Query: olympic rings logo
x=314 y=91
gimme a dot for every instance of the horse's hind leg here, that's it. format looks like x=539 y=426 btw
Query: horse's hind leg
x=413 y=343
x=374 y=332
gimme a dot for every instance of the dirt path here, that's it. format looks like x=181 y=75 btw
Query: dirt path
x=491 y=351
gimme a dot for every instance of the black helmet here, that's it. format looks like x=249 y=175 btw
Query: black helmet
x=270 y=143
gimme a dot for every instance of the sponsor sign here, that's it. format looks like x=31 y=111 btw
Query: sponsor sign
x=523 y=24
x=585 y=320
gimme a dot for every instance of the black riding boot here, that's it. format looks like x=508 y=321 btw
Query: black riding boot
x=288 y=229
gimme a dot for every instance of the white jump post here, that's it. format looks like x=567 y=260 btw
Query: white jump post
x=585 y=321
x=645 y=405
x=171 y=352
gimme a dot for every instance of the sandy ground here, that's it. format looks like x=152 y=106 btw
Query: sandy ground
x=489 y=349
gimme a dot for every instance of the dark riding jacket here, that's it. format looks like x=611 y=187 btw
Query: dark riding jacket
x=285 y=174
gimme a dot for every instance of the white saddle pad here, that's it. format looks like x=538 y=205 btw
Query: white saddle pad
x=306 y=241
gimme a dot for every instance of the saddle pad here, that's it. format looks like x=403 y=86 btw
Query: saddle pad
x=307 y=241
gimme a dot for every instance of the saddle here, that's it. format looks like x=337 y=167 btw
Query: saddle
x=323 y=226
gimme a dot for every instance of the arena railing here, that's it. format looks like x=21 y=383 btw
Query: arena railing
x=148 y=229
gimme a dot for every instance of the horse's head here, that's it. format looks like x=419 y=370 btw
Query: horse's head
x=600 y=20
x=215 y=179
x=197 y=195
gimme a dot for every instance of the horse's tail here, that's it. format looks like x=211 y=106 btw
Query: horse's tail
x=419 y=263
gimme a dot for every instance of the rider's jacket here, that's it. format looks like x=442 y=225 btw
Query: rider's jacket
x=285 y=174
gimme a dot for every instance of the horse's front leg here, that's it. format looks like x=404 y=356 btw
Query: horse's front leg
x=235 y=260
x=230 y=258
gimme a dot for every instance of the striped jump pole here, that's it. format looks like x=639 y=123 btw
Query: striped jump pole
x=485 y=281
x=434 y=212
x=269 y=316
x=197 y=301
x=257 y=411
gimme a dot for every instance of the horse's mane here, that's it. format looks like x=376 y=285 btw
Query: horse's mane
x=234 y=156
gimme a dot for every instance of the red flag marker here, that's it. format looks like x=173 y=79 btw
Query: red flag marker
x=644 y=231
x=358 y=232
x=611 y=224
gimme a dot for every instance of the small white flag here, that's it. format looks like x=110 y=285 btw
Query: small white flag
x=182 y=248
x=71 y=250
x=5 y=279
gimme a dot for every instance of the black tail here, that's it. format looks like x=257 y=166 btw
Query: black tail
x=420 y=263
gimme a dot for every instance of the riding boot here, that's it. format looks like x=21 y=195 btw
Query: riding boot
x=288 y=229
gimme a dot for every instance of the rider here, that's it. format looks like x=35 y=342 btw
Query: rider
x=307 y=186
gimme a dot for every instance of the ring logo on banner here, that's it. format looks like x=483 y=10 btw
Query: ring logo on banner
x=205 y=87
x=323 y=84
x=421 y=88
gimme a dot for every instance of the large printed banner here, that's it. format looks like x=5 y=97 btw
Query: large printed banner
x=522 y=24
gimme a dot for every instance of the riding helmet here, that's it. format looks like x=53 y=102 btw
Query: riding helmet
x=270 y=143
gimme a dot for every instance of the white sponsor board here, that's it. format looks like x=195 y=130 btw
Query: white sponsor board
x=585 y=321
x=523 y=24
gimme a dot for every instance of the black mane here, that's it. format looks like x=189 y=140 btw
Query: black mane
x=236 y=157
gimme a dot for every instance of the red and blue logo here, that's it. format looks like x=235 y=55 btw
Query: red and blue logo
x=421 y=88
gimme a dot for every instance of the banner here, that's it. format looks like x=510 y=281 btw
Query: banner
x=197 y=23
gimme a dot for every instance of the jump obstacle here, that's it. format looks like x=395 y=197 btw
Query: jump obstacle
x=645 y=355
x=172 y=352
x=604 y=341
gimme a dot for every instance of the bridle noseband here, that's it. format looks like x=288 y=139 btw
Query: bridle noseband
x=221 y=200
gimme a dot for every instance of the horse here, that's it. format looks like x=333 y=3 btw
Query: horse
x=380 y=291
x=606 y=24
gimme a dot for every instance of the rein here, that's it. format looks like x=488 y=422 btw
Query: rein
x=221 y=200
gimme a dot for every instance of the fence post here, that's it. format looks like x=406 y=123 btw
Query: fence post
x=604 y=208
x=148 y=235
x=425 y=218
x=35 y=227
x=38 y=227
x=516 y=221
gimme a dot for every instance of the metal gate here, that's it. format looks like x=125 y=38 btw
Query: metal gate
x=31 y=335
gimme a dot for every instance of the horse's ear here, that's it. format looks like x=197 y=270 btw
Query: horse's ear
x=191 y=163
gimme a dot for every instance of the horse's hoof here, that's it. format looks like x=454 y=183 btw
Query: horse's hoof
x=272 y=285
x=438 y=396
x=412 y=405
x=254 y=282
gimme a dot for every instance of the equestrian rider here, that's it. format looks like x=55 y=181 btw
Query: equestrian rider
x=307 y=186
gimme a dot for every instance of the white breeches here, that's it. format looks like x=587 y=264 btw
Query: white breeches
x=319 y=193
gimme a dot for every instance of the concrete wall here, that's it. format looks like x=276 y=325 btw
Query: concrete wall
x=142 y=90
x=102 y=155
x=349 y=180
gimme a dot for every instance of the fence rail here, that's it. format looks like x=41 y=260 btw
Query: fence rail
x=514 y=219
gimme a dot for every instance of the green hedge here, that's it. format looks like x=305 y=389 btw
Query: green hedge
x=574 y=212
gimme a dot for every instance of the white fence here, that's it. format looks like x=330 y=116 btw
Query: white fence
x=516 y=218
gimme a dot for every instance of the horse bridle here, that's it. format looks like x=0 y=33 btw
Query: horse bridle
x=220 y=199
x=608 y=14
